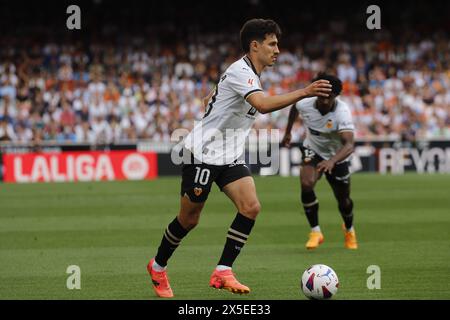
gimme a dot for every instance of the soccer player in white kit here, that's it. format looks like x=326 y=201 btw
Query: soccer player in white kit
x=328 y=145
x=213 y=149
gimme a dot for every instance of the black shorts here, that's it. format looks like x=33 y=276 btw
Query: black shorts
x=197 y=178
x=340 y=172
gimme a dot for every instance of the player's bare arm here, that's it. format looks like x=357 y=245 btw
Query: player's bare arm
x=266 y=104
x=348 y=142
x=293 y=115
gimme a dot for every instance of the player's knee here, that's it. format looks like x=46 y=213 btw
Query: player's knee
x=307 y=185
x=189 y=218
x=190 y=221
x=250 y=209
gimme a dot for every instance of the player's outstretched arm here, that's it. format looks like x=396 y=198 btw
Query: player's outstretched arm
x=293 y=114
x=266 y=104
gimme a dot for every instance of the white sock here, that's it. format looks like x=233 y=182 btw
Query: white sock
x=157 y=267
x=222 y=268
x=315 y=229
x=351 y=229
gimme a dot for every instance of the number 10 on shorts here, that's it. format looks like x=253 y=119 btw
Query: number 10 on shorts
x=202 y=176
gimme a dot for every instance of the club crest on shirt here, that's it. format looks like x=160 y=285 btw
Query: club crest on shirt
x=329 y=124
x=198 y=191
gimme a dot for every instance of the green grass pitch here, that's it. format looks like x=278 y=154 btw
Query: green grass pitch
x=111 y=229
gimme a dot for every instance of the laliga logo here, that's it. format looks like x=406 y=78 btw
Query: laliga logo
x=135 y=167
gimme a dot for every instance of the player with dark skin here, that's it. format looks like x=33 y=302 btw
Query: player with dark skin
x=324 y=105
x=312 y=171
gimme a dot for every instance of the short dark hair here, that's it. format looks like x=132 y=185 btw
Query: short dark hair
x=257 y=29
x=336 y=84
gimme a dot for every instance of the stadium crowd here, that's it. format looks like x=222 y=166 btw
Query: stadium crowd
x=103 y=92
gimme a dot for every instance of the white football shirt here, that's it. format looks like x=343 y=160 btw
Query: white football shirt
x=323 y=130
x=219 y=138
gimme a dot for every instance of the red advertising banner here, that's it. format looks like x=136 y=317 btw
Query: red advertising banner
x=80 y=166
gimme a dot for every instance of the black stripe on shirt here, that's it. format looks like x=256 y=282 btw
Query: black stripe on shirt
x=250 y=64
x=250 y=92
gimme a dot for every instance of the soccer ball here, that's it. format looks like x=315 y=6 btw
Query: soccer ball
x=319 y=282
